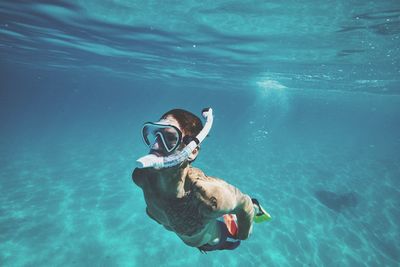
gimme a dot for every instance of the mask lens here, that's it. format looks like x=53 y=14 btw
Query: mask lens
x=167 y=135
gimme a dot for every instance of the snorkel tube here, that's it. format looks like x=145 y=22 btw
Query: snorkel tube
x=152 y=161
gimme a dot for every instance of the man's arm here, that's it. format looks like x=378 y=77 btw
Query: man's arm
x=245 y=214
x=231 y=200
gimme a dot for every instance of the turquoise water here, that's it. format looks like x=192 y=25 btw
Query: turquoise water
x=306 y=98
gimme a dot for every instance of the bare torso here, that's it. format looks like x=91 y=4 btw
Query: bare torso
x=192 y=212
x=188 y=215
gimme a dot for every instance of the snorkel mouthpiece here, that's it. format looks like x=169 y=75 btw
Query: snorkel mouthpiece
x=152 y=161
x=149 y=161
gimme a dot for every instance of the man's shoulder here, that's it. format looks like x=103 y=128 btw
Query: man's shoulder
x=139 y=176
x=211 y=190
x=208 y=185
x=197 y=175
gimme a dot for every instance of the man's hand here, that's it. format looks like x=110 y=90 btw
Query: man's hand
x=231 y=201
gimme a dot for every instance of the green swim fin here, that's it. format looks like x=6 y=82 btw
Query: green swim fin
x=262 y=215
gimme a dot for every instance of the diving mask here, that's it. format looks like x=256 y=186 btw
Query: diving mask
x=163 y=134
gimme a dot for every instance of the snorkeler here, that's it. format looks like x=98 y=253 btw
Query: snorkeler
x=205 y=212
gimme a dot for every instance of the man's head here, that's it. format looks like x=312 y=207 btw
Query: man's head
x=189 y=126
x=188 y=123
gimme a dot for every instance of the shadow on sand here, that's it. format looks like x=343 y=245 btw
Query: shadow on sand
x=335 y=201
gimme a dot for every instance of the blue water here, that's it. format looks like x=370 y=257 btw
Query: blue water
x=306 y=97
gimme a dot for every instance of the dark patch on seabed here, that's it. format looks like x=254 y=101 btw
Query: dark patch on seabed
x=336 y=201
x=340 y=202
